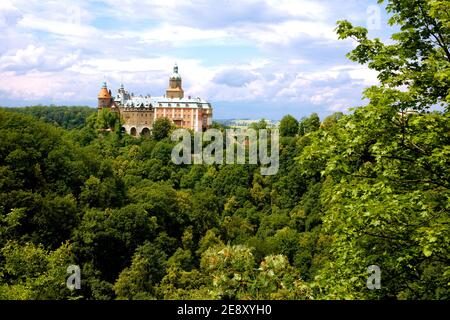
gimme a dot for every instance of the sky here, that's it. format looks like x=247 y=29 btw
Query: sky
x=249 y=58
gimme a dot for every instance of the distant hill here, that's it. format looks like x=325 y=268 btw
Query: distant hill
x=245 y=122
x=67 y=117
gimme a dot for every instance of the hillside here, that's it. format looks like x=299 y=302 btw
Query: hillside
x=121 y=210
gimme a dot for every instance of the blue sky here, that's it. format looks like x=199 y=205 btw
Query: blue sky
x=249 y=58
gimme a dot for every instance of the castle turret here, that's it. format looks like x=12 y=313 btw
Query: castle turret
x=104 y=97
x=175 y=90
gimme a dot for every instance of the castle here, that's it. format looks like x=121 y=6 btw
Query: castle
x=140 y=112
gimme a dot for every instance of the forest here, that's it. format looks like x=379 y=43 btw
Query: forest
x=369 y=187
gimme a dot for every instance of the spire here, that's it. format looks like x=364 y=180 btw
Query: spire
x=175 y=74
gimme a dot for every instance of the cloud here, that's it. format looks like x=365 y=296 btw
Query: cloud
x=176 y=35
x=36 y=58
x=36 y=85
x=29 y=57
x=68 y=27
x=223 y=21
x=288 y=31
x=234 y=77
x=9 y=14
x=217 y=14
x=333 y=89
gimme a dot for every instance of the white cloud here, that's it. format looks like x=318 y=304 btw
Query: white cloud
x=296 y=8
x=67 y=27
x=286 y=32
x=32 y=57
x=34 y=85
x=263 y=21
x=175 y=34
x=219 y=13
x=9 y=14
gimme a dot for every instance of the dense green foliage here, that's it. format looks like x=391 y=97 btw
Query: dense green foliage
x=137 y=224
x=288 y=126
x=368 y=188
x=62 y=116
x=161 y=128
x=309 y=124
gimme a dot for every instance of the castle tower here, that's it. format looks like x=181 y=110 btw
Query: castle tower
x=175 y=90
x=122 y=88
x=104 y=97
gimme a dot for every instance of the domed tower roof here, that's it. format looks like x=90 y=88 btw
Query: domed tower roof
x=175 y=90
x=175 y=74
x=104 y=92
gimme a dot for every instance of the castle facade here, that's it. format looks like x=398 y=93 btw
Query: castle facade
x=140 y=112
